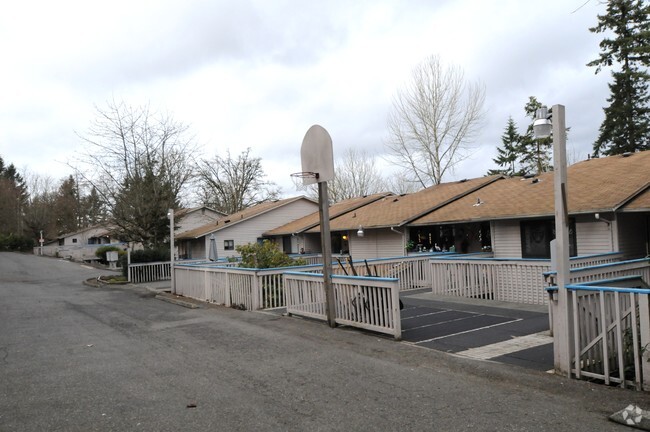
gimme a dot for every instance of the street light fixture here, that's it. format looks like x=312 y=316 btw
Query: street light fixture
x=542 y=126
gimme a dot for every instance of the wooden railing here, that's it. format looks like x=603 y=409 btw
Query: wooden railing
x=413 y=272
x=369 y=303
x=511 y=280
x=611 y=332
x=245 y=288
x=609 y=270
x=149 y=272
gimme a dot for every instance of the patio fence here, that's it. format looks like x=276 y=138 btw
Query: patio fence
x=609 y=315
x=368 y=303
x=149 y=272
x=510 y=280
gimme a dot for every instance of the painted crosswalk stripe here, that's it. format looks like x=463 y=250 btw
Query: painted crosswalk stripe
x=508 y=347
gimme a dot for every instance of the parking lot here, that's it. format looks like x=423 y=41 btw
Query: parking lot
x=487 y=330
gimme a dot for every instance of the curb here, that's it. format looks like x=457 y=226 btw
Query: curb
x=177 y=301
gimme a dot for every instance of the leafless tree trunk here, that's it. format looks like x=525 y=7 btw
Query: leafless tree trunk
x=434 y=120
x=231 y=185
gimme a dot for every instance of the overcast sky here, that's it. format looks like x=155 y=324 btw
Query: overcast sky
x=258 y=74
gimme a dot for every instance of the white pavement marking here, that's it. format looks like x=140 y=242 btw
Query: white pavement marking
x=468 y=331
x=426 y=314
x=507 y=347
x=87 y=267
x=443 y=322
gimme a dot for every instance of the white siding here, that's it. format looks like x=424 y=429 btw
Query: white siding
x=248 y=231
x=376 y=243
x=632 y=234
x=506 y=239
x=195 y=219
x=593 y=236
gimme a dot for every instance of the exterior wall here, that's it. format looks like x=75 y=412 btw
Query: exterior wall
x=82 y=237
x=632 y=234
x=311 y=243
x=593 y=236
x=250 y=230
x=192 y=249
x=196 y=219
x=627 y=234
x=506 y=239
x=376 y=243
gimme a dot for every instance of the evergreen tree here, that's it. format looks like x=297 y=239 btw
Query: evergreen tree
x=508 y=155
x=535 y=154
x=94 y=211
x=626 y=127
x=67 y=207
x=13 y=198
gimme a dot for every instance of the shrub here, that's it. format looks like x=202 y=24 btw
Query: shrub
x=13 y=242
x=265 y=255
x=101 y=253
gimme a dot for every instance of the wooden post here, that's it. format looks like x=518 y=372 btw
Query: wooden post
x=563 y=333
x=326 y=242
x=644 y=324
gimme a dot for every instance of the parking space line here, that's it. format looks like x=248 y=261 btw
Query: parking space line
x=426 y=314
x=508 y=347
x=443 y=322
x=468 y=331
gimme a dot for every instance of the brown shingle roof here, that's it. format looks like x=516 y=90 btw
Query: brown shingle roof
x=595 y=185
x=395 y=210
x=335 y=210
x=640 y=202
x=238 y=217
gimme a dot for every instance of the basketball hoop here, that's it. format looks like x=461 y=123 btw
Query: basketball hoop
x=305 y=174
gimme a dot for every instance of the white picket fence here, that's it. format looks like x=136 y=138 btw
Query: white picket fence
x=412 y=272
x=149 y=272
x=609 y=312
x=510 y=280
x=611 y=329
x=368 y=303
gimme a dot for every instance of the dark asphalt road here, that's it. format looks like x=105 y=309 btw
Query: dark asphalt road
x=77 y=358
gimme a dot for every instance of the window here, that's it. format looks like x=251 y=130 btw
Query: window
x=74 y=240
x=229 y=244
x=536 y=236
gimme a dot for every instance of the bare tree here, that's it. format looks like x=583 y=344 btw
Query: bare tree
x=433 y=121
x=355 y=174
x=231 y=185
x=401 y=183
x=139 y=163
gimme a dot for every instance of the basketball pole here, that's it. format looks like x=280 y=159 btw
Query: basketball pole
x=326 y=242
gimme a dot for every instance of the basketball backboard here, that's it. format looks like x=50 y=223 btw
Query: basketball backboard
x=317 y=156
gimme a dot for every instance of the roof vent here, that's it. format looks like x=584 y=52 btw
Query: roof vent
x=535 y=180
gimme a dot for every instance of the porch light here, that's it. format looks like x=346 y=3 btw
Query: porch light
x=542 y=126
x=360 y=233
